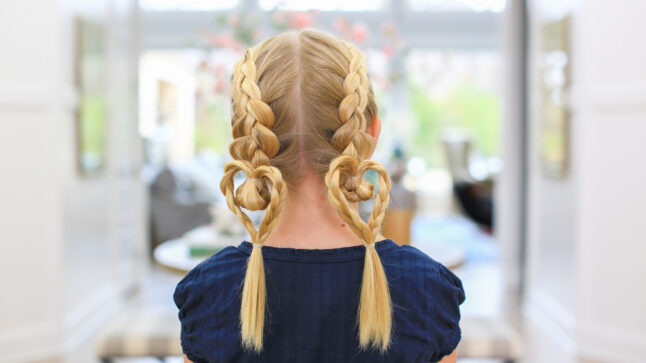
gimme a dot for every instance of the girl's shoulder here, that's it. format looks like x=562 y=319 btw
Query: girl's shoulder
x=208 y=296
x=416 y=264
x=428 y=295
x=227 y=264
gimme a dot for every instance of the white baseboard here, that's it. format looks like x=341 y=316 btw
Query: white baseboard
x=30 y=342
x=608 y=344
x=549 y=316
x=597 y=343
x=37 y=97
x=81 y=323
x=53 y=339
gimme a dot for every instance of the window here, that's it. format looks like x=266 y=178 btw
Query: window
x=457 y=5
x=187 y=5
x=324 y=5
x=453 y=90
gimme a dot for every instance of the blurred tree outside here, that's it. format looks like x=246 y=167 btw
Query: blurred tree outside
x=463 y=99
x=213 y=125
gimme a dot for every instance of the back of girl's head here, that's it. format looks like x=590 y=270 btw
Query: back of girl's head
x=302 y=103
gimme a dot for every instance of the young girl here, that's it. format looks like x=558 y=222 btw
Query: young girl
x=316 y=283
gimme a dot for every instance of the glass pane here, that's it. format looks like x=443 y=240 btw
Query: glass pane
x=457 y=5
x=325 y=5
x=192 y=5
x=184 y=104
x=454 y=93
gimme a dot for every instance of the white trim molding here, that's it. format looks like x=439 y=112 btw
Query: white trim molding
x=30 y=342
x=94 y=312
x=52 y=339
x=612 y=345
x=619 y=97
x=552 y=318
x=36 y=97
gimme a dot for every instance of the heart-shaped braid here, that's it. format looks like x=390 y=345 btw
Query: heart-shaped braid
x=301 y=106
x=346 y=184
x=253 y=145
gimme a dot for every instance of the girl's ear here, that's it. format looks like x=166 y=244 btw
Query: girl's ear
x=374 y=129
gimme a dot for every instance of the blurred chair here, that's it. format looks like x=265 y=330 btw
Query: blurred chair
x=457 y=149
x=473 y=195
x=172 y=209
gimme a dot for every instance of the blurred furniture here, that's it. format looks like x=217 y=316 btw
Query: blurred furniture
x=450 y=256
x=489 y=338
x=396 y=225
x=457 y=148
x=173 y=210
x=472 y=182
x=401 y=209
x=400 y=213
x=140 y=333
x=184 y=253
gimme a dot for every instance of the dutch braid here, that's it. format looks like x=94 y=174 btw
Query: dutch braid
x=345 y=183
x=253 y=145
x=302 y=103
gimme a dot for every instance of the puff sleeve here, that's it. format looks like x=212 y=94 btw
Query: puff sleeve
x=188 y=299
x=445 y=312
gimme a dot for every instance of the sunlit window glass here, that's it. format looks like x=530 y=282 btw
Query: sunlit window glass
x=325 y=5
x=457 y=5
x=187 y=5
x=453 y=91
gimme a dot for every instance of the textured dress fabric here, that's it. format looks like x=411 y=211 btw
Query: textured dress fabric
x=312 y=302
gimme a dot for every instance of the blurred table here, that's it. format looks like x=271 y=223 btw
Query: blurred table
x=450 y=256
x=176 y=255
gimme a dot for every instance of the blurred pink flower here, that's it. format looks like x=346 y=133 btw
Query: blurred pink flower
x=359 y=32
x=218 y=69
x=341 y=25
x=222 y=41
x=388 y=51
x=388 y=28
x=234 y=20
x=220 y=86
x=301 y=20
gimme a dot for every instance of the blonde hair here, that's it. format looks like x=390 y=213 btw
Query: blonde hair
x=306 y=97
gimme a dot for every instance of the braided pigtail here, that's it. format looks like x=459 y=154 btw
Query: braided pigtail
x=253 y=145
x=346 y=185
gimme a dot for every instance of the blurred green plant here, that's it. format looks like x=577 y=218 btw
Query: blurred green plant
x=213 y=129
x=467 y=106
x=92 y=132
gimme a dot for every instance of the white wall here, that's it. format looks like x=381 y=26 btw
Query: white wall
x=586 y=236
x=69 y=245
x=31 y=233
x=611 y=216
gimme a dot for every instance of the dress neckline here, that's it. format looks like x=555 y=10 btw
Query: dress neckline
x=319 y=255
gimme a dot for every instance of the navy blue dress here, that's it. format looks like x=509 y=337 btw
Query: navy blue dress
x=312 y=300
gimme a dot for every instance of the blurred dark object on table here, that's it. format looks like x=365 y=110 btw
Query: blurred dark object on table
x=473 y=178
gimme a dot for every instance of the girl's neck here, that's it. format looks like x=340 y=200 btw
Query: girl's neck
x=309 y=221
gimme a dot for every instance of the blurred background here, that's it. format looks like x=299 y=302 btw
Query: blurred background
x=513 y=131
